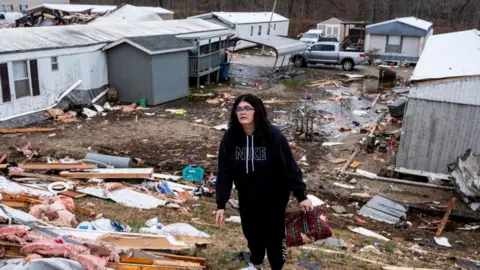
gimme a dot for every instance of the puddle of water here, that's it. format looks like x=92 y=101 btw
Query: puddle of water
x=352 y=108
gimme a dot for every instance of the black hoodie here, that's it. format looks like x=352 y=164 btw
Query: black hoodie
x=262 y=167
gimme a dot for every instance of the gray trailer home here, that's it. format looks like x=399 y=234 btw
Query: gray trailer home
x=151 y=67
x=401 y=39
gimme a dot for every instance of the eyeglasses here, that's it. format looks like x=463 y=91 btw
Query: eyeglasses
x=246 y=109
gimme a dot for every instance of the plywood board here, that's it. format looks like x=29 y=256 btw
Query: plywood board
x=111 y=174
x=44 y=167
x=140 y=242
x=45 y=177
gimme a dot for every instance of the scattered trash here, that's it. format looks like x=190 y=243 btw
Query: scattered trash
x=366 y=232
x=469 y=227
x=344 y=185
x=89 y=113
x=234 y=219
x=313 y=227
x=176 y=111
x=332 y=242
x=352 y=181
x=384 y=209
x=394 y=188
x=315 y=201
x=442 y=241
x=339 y=209
x=403 y=224
x=332 y=143
x=467 y=184
x=193 y=174
x=360 y=113
x=338 y=160
x=361 y=195
x=221 y=127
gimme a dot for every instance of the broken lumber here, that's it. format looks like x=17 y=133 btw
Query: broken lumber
x=374 y=102
x=111 y=174
x=441 y=226
x=45 y=177
x=350 y=159
x=3 y=158
x=25 y=130
x=201 y=261
x=398 y=181
x=41 y=167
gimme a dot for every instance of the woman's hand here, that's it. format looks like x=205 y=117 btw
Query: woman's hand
x=220 y=217
x=307 y=206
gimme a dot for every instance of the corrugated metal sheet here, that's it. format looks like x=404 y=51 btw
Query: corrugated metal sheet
x=128 y=13
x=42 y=38
x=97 y=9
x=243 y=17
x=440 y=124
x=449 y=55
x=282 y=46
x=396 y=28
x=464 y=91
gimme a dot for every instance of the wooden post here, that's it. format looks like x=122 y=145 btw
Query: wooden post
x=442 y=224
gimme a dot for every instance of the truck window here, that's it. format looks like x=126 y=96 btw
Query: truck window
x=327 y=48
x=315 y=48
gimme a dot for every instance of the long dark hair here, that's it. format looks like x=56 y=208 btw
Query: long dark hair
x=260 y=117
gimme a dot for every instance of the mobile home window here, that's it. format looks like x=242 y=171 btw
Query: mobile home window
x=259 y=30
x=251 y=31
x=23 y=8
x=274 y=26
x=394 y=44
x=6 y=8
x=21 y=79
x=54 y=63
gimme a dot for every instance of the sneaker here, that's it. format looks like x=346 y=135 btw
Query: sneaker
x=253 y=267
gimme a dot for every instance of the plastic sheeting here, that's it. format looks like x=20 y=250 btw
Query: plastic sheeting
x=41 y=264
x=14 y=188
x=282 y=46
x=126 y=197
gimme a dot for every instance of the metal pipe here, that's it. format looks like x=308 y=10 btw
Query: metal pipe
x=398 y=181
x=117 y=162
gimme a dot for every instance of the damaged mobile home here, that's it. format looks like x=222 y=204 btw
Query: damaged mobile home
x=441 y=118
x=40 y=65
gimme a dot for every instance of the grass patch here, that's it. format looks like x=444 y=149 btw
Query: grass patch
x=294 y=83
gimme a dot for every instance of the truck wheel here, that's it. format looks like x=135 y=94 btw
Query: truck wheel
x=347 y=64
x=300 y=62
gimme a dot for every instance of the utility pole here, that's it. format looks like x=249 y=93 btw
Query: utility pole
x=269 y=23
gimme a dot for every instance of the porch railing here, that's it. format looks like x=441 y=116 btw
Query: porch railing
x=204 y=62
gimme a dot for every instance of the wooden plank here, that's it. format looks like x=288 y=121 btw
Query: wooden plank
x=45 y=177
x=111 y=174
x=338 y=160
x=354 y=164
x=139 y=242
x=39 y=166
x=25 y=130
x=125 y=266
x=201 y=261
x=3 y=158
x=69 y=193
x=441 y=226
x=15 y=204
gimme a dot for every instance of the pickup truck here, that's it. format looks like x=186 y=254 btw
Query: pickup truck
x=328 y=53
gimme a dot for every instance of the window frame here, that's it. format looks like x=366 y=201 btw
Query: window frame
x=259 y=30
x=23 y=11
x=322 y=46
x=54 y=63
x=29 y=78
x=390 y=48
x=252 y=30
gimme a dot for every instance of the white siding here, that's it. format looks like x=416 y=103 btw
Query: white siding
x=377 y=42
x=410 y=46
x=276 y=29
x=89 y=67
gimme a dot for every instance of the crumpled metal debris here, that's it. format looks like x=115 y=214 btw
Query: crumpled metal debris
x=466 y=180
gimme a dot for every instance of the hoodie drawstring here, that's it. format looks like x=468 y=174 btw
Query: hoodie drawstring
x=248 y=150
x=253 y=154
x=246 y=160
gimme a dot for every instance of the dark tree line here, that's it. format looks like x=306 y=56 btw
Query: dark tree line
x=447 y=15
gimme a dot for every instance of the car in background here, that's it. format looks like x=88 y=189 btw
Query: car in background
x=329 y=53
x=312 y=36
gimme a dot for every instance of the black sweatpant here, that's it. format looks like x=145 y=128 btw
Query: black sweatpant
x=264 y=228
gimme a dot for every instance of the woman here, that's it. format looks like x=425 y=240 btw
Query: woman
x=256 y=156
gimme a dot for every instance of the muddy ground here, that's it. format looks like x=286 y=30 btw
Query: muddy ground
x=169 y=142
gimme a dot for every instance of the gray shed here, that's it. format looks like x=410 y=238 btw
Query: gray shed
x=440 y=124
x=152 y=67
